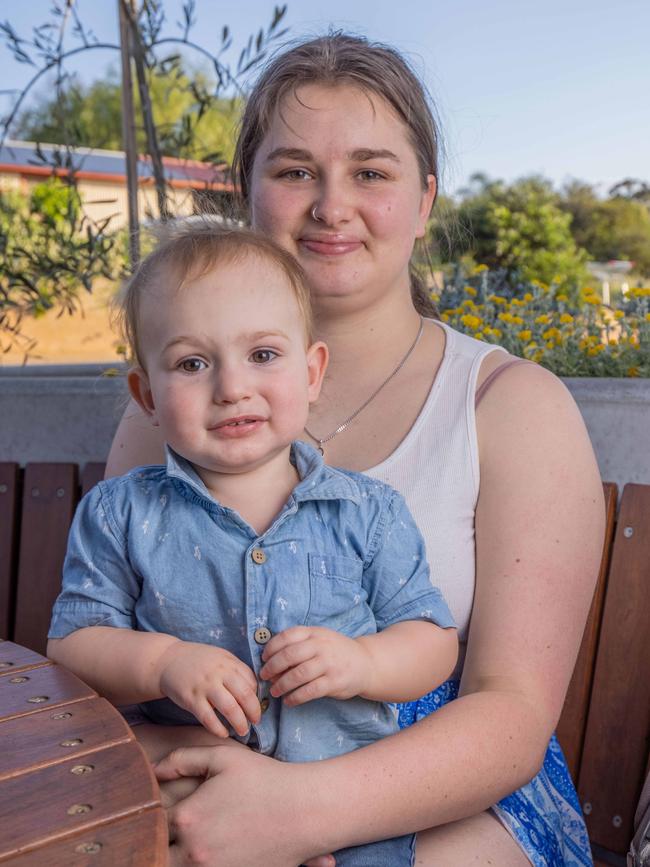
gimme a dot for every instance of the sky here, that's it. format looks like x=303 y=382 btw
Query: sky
x=559 y=87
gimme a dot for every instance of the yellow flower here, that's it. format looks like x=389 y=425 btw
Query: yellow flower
x=444 y=317
x=550 y=345
x=544 y=319
x=479 y=269
x=497 y=299
x=591 y=299
x=505 y=317
x=537 y=356
x=469 y=321
x=525 y=336
x=595 y=350
x=468 y=303
x=647 y=317
x=478 y=335
x=517 y=302
x=553 y=334
x=618 y=314
x=517 y=320
x=470 y=290
x=566 y=318
x=528 y=297
x=561 y=297
x=633 y=371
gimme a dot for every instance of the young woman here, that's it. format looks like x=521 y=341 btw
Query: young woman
x=337 y=160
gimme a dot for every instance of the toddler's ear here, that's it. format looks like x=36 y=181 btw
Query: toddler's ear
x=141 y=392
x=317 y=358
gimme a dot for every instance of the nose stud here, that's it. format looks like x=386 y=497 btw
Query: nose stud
x=315 y=216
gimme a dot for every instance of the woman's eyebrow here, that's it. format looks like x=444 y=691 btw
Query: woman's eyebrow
x=289 y=154
x=359 y=155
x=362 y=154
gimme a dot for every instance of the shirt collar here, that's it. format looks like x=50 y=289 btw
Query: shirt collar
x=317 y=480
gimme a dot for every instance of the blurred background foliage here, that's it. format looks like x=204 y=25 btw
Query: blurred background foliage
x=525 y=243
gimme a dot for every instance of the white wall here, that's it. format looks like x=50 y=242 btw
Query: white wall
x=70 y=414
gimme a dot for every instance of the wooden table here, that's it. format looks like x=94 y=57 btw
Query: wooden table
x=76 y=789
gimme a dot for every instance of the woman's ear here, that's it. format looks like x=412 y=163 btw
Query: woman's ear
x=141 y=392
x=426 y=203
x=317 y=358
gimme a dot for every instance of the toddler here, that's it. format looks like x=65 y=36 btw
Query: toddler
x=245 y=585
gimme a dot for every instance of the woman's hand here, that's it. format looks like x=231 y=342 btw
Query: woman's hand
x=238 y=816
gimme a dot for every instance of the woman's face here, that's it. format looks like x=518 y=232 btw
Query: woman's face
x=343 y=156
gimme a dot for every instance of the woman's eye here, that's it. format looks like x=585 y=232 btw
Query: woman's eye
x=192 y=365
x=296 y=175
x=263 y=356
x=370 y=175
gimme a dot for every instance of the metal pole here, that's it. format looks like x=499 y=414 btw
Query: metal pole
x=128 y=136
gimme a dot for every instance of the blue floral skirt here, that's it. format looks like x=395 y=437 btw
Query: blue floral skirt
x=544 y=816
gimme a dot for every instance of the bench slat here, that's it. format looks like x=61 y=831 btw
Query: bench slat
x=90 y=475
x=49 y=500
x=9 y=478
x=139 y=841
x=616 y=738
x=571 y=728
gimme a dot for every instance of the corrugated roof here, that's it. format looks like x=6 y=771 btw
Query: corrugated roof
x=22 y=156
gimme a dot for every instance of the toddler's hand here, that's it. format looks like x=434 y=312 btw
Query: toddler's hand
x=308 y=662
x=202 y=679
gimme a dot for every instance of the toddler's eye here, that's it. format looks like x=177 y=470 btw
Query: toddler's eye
x=263 y=356
x=192 y=365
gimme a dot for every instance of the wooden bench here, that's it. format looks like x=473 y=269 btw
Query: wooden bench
x=605 y=725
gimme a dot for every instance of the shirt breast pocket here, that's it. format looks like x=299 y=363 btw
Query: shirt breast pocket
x=337 y=598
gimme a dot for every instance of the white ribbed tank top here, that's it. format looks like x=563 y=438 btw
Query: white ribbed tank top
x=436 y=469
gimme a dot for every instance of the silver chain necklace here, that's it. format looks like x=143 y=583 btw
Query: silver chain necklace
x=350 y=418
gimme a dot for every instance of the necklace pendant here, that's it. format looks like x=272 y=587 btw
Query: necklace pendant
x=321 y=450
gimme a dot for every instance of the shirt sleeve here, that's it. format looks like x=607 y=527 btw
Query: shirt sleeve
x=99 y=586
x=397 y=578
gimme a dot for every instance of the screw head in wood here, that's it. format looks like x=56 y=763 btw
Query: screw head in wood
x=88 y=848
x=617 y=821
x=587 y=808
x=38 y=699
x=71 y=742
x=82 y=769
x=77 y=809
x=18 y=679
x=628 y=532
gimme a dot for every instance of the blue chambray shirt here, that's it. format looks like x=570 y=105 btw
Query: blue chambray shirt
x=153 y=551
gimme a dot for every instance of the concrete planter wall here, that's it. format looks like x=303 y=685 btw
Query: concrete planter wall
x=70 y=413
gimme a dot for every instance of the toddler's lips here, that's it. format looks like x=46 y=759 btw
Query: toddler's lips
x=239 y=426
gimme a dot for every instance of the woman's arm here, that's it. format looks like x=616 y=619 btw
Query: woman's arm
x=136 y=443
x=539 y=531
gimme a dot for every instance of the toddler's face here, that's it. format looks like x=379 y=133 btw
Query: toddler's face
x=229 y=377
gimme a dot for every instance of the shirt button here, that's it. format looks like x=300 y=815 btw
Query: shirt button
x=264 y=704
x=262 y=635
x=258 y=556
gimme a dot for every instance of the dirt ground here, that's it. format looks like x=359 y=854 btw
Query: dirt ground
x=84 y=338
